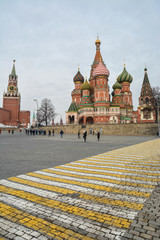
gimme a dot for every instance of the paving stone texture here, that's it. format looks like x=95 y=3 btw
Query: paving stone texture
x=114 y=195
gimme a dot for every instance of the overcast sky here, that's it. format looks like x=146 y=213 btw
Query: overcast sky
x=49 y=38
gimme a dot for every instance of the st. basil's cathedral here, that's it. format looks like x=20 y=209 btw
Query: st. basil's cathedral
x=93 y=104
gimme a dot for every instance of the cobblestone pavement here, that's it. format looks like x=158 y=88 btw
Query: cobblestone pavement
x=114 y=195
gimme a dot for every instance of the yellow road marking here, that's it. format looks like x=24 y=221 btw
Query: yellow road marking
x=88 y=161
x=105 y=218
x=131 y=205
x=112 y=169
x=36 y=223
x=108 y=174
x=100 y=179
x=82 y=184
x=131 y=161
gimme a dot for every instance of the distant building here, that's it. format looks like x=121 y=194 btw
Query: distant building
x=93 y=104
x=11 y=114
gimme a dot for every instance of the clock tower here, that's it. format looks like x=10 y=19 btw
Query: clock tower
x=11 y=103
x=11 y=99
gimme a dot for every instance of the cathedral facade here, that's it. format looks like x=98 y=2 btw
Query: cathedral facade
x=11 y=114
x=92 y=102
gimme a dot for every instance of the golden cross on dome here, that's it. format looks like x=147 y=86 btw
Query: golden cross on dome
x=124 y=63
x=78 y=67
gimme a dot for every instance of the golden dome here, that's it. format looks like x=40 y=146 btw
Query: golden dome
x=97 y=41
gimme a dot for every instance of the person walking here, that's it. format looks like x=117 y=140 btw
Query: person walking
x=53 y=132
x=79 y=134
x=61 y=133
x=98 y=135
x=85 y=136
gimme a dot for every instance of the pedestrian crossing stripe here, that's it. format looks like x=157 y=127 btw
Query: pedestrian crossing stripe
x=113 y=169
x=87 y=185
x=144 y=169
x=105 y=218
x=100 y=179
x=127 y=164
x=51 y=176
x=70 y=168
x=36 y=223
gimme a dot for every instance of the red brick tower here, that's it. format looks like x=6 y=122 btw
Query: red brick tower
x=11 y=103
x=101 y=90
x=11 y=99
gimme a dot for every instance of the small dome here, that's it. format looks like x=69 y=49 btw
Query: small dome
x=124 y=76
x=97 y=41
x=78 y=77
x=86 y=86
x=101 y=70
x=117 y=85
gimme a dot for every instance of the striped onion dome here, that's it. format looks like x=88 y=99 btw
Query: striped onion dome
x=101 y=70
x=78 y=77
x=86 y=86
x=117 y=85
x=124 y=76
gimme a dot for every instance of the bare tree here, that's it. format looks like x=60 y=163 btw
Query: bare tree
x=46 y=112
x=156 y=92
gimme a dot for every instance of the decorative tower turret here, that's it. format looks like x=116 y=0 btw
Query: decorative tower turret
x=125 y=80
x=101 y=90
x=96 y=61
x=76 y=93
x=11 y=99
x=86 y=95
x=146 y=111
x=117 y=98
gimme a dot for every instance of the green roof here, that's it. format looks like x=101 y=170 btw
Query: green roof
x=125 y=118
x=124 y=77
x=73 y=107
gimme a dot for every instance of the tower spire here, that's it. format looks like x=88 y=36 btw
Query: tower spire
x=13 y=73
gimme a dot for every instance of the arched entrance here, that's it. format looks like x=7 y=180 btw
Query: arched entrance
x=89 y=120
x=81 y=121
x=71 y=119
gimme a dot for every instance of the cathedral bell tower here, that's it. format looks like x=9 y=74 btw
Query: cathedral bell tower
x=11 y=99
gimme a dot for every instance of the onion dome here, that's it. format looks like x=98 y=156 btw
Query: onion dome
x=124 y=76
x=86 y=86
x=101 y=70
x=117 y=85
x=78 y=77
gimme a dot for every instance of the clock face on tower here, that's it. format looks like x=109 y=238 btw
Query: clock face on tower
x=11 y=88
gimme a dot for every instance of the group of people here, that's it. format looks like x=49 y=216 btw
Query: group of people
x=33 y=132
x=85 y=135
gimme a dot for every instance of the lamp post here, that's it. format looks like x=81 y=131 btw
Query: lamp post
x=35 y=100
x=158 y=114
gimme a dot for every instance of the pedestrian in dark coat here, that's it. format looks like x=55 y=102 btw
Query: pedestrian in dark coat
x=53 y=132
x=61 y=133
x=79 y=134
x=98 y=135
x=85 y=136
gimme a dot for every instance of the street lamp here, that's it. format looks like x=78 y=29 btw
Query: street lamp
x=158 y=114
x=35 y=100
